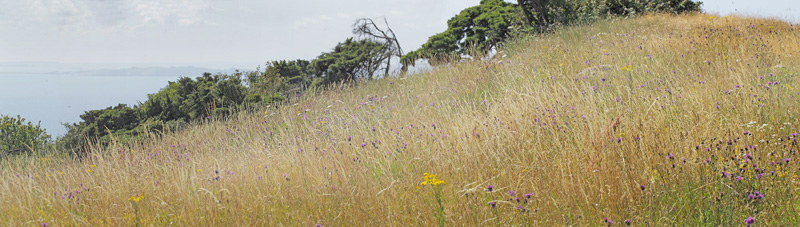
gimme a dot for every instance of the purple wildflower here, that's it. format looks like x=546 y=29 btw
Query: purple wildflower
x=493 y=204
x=489 y=188
x=511 y=193
x=608 y=221
x=749 y=221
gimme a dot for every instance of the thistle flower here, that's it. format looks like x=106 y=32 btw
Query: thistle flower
x=749 y=221
x=608 y=221
x=493 y=204
x=489 y=188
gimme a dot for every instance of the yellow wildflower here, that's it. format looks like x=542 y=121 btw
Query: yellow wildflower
x=431 y=179
x=136 y=198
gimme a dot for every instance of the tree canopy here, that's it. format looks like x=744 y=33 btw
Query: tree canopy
x=180 y=102
x=278 y=79
x=478 y=28
x=350 y=60
x=481 y=28
x=18 y=135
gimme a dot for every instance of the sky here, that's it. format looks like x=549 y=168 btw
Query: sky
x=207 y=33
x=232 y=33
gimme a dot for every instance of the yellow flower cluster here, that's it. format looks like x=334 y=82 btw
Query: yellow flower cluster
x=628 y=68
x=135 y=198
x=431 y=179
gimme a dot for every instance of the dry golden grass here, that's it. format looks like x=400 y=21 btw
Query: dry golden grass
x=609 y=121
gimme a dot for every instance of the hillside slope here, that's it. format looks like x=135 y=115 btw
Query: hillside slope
x=664 y=120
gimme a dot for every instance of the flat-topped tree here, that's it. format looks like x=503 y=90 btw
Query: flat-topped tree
x=350 y=60
x=479 y=28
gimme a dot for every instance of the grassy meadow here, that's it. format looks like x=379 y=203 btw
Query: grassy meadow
x=659 y=120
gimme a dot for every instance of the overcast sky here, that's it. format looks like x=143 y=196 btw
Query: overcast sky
x=231 y=33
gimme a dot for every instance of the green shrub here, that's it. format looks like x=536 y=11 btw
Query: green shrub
x=18 y=135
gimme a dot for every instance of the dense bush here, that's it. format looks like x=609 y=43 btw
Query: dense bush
x=485 y=26
x=185 y=100
x=18 y=135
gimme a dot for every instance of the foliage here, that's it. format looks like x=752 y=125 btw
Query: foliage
x=185 y=100
x=631 y=7
x=478 y=28
x=541 y=15
x=18 y=135
x=278 y=80
x=351 y=60
x=484 y=26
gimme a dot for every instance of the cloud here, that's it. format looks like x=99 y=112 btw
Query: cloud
x=62 y=14
x=107 y=13
x=184 y=12
x=81 y=15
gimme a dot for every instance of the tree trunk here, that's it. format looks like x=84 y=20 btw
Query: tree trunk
x=388 y=63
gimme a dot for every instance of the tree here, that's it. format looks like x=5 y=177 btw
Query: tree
x=630 y=7
x=480 y=28
x=542 y=14
x=366 y=28
x=18 y=135
x=278 y=79
x=350 y=60
x=185 y=100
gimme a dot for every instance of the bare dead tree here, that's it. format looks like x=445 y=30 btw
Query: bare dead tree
x=366 y=28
